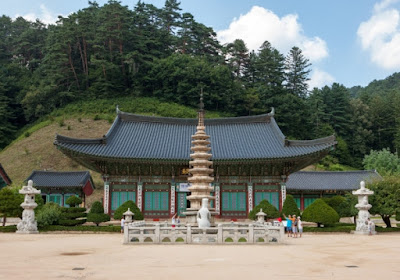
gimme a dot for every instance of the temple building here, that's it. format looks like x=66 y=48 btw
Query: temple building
x=307 y=186
x=4 y=179
x=58 y=186
x=146 y=159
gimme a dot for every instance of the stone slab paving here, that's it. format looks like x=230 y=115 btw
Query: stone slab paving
x=102 y=256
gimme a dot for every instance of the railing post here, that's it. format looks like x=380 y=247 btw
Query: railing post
x=220 y=236
x=189 y=234
x=157 y=234
x=251 y=233
x=126 y=233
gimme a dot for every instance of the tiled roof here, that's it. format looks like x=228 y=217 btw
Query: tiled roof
x=330 y=180
x=60 y=179
x=143 y=137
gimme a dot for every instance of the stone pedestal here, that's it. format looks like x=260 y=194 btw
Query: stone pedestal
x=28 y=225
x=363 y=215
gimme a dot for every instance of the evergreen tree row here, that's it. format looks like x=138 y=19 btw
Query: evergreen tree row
x=111 y=50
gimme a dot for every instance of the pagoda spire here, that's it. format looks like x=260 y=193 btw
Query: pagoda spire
x=200 y=165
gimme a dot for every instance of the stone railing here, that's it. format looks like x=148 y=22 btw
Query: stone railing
x=159 y=233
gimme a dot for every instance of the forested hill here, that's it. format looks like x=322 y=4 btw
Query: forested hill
x=111 y=51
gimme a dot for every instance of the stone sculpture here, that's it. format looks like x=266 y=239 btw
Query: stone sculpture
x=28 y=223
x=204 y=215
x=363 y=206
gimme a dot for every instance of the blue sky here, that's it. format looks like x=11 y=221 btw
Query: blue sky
x=349 y=42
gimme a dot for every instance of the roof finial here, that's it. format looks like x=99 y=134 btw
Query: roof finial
x=201 y=111
x=117 y=109
x=201 y=99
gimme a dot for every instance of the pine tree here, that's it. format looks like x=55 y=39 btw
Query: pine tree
x=297 y=70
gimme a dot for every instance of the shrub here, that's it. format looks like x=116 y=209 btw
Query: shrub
x=96 y=214
x=267 y=208
x=49 y=214
x=334 y=202
x=71 y=222
x=96 y=117
x=27 y=134
x=73 y=201
x=61 y=123
x=290 y=206
x=124 y=207
x=73 y=210
x=10 y=202
x=321 y=213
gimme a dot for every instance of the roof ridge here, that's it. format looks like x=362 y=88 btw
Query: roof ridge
x=324 y=140
x=193 y=121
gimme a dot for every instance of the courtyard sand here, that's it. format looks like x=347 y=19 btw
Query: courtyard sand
x=102 y=256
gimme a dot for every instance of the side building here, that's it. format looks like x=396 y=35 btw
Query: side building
x=4 y=179
x=307 y=186
x=58 y=186
x=146 y=159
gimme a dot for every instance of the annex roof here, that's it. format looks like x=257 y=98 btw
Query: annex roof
x=330 y=180
x=143 y=137
x=59 y=179
x=4 y=179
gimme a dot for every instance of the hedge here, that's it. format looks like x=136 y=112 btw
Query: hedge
x=321 y=213
x=71 y=222
x=82 y=228
x=124 y=207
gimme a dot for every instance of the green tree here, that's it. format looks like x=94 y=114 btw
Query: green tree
x=385 y=162
x=96 y=214
x=238 y=57
x=321 y=213
x=386 y=198
x=49 y=214
x=267 y=208
x=290 y=206
x=73 y=201
x=10 y=204
x=335 y=202
x=347 y=207
x=124 y=207
x=297 y=71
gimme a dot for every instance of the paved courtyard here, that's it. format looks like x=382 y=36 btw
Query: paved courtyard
x=102 y=256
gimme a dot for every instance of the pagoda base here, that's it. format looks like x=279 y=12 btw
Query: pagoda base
x=191 y=217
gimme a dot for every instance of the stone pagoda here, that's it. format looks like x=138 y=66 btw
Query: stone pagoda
x=200 y=169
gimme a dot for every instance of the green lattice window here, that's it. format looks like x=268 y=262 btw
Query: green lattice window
x=56 y=198
x=156 y=201
x=233 y=201
x=271 y=197
x=118 y=198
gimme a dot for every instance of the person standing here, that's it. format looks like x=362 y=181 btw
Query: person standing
x=289 y=225
x=300 y=226
x=173 y=221
x=294 y=226
x=122 y=224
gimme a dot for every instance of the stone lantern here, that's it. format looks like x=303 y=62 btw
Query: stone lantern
x=28 y=223
x=261 y=216
x=363 y=206
x=128 y=216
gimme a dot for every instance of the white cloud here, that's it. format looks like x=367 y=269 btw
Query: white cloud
x=260 y=25
x=320 y=79
x=380 y=35
x=46 y=16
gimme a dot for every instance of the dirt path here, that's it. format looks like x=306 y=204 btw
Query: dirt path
x=102 y=256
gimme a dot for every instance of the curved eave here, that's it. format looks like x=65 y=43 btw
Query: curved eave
x=186 y=160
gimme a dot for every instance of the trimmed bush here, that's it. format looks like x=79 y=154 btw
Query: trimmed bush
x=290 y=206
x=73 y=215
x=321 y=213
x=73 y=210
x=96 y=214
x=79 y=228
x=71 y=222
x=124 y=207
x=267 y=208
x=49 y=214
x=72 y=201
x=336 y=202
